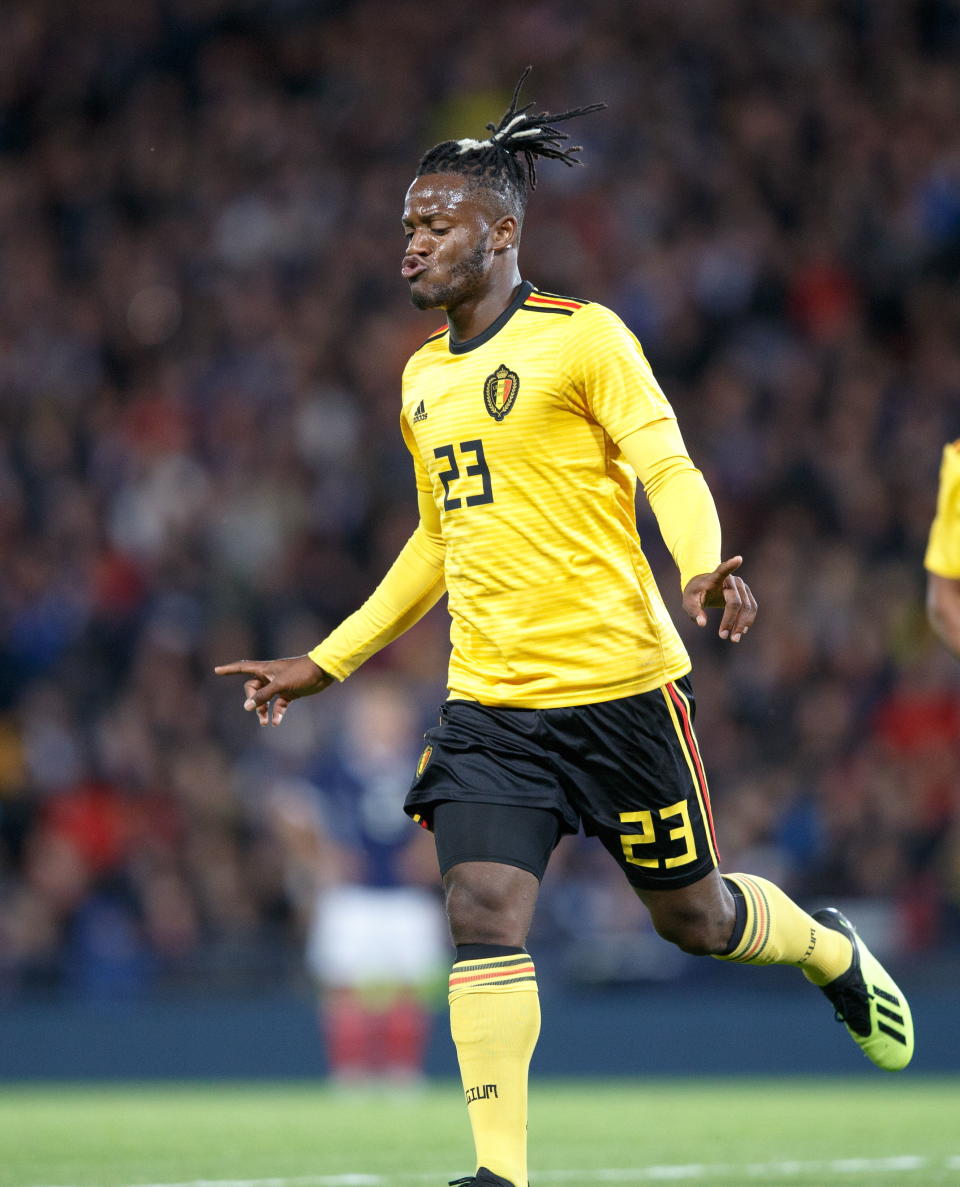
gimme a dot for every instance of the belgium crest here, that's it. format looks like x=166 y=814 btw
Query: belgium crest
x=500 y=391
x=424 y=759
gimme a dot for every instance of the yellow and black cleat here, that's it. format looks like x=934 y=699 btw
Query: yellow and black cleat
x=867 y=1001
x=483 y=1178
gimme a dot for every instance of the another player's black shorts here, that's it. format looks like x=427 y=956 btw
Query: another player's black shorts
x=628 y=770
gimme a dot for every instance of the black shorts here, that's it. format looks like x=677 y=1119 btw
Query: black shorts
x=628 y=770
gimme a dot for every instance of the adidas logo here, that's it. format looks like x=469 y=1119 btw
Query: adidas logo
x=880 y=996
x=420 y=413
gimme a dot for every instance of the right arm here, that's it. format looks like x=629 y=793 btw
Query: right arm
x=413 y=584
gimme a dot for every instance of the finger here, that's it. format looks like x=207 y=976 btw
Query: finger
x=731 y=608
x=239 y=667
x=280 y=706
x=748 y=612
x=251 y=687
x=693 y=607
x=263 y=714
x=725 y=568
x=258 y=696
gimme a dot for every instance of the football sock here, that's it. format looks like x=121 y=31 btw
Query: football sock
x=772 y=929
x=495 y=1023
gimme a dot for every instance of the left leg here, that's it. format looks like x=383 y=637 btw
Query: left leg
x=711 y=917
x=749 y=920
x=644 y=792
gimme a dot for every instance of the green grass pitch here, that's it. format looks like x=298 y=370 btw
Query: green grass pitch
x=889 y=1130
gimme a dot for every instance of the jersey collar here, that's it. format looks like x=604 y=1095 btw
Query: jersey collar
x=524 y=291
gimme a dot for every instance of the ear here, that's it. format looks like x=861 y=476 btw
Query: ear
x=505 y=232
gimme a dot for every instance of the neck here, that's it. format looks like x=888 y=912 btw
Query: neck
x=475 y=313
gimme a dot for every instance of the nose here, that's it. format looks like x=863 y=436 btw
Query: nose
x=417 y=244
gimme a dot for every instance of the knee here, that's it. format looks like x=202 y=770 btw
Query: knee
x=488 y=906
x=697 y=931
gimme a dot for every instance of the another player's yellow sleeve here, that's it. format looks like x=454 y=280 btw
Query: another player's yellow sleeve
x=413 y=584
x=679 y=496
x=610 y=373
x=943 y=548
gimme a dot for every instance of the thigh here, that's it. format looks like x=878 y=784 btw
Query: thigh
x=636 y=777
x=500 y=833
x=492 y=857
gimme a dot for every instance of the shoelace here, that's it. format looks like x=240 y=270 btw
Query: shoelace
x=852 y=1004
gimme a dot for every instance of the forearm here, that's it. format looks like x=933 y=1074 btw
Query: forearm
x=943 y=610
x=413 y=584
x=678 y=495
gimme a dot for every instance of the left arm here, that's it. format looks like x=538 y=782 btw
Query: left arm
x=611 y=377
x=688 y=521
x=678 y=494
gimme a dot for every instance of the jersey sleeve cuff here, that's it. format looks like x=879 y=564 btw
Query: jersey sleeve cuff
x=330 y=666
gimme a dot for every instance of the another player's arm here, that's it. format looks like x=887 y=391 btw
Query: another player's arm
x=942 y=559
x=413 y=584
x=943 y=609
x=688 y=521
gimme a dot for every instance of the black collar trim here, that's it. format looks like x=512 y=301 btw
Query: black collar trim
x=524 y=291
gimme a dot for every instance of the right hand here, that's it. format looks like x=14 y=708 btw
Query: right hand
x=277 y=680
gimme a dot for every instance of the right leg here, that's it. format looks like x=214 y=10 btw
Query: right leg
x=494 y=1004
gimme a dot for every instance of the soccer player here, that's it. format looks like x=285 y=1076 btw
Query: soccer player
x=529 y=417
x=942 y=560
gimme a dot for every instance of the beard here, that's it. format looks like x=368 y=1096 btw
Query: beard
x=466 y=276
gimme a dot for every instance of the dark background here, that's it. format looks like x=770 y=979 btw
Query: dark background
x=202 y=328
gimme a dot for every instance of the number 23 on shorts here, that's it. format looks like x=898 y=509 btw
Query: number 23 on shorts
x=652 y=833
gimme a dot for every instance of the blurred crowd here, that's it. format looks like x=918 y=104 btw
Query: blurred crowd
x=202 y=328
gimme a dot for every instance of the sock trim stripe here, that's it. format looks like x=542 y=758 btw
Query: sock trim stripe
x=500 y=984
x=760 y=933
x=494 y=962
x=507 y=975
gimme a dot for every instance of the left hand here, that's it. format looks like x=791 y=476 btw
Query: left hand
x=722 y=588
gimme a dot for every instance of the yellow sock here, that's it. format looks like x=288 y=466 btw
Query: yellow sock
x=495 y=1023
x=777 y=931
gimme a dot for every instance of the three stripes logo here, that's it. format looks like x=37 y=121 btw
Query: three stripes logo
x=419 y=413
x=890 y=1011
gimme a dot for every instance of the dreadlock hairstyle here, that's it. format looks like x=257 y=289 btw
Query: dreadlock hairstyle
x=494 y=162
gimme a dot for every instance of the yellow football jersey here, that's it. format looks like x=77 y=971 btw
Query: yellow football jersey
x=515 y=433
x=943 y=548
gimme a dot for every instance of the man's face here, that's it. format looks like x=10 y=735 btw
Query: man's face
x=450 y=232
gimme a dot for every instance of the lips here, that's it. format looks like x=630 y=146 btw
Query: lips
x=412 y=268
